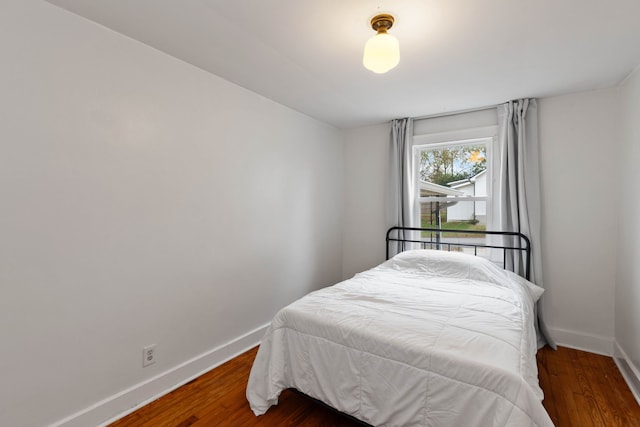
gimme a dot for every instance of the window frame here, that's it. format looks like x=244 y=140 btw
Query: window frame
x=485 y=135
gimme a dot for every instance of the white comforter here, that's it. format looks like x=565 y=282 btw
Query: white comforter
x=427 y=338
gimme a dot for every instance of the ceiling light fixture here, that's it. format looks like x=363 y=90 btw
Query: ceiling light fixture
x=382 y=51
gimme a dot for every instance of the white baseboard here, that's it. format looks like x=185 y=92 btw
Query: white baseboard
x=586 y=342
x=630 y=372
x=123 y=403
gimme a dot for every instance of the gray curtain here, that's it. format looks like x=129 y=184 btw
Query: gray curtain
x=401 y=191
x=516 y=190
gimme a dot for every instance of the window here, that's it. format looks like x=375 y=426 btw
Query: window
x=453 y=186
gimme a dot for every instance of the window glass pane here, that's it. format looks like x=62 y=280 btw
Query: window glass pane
x=448 y=166
x=453 y=214
x=454 y=192
x=449 y=220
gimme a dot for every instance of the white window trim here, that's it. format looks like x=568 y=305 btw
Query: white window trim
x=457 y=135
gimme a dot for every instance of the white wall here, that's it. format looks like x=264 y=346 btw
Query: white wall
x=143 y=201
x=365 y=222
x=579 y=168
x=627 y=319
x=579 y=193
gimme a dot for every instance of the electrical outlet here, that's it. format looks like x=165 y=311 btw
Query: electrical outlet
x=148 y=355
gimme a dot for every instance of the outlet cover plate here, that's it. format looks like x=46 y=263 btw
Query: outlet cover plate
x=148 y=355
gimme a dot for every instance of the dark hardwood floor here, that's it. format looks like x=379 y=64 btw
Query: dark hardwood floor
x=585 y=389
x=581 y=389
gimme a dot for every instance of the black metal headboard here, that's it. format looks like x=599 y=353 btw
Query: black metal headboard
x=512 y=243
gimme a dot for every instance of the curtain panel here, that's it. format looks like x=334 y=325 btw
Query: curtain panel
x=401 y=194
x=516 y=188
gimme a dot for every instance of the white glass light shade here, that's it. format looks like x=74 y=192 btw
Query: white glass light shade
x=381 y=53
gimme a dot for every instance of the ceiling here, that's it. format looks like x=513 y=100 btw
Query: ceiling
x=455 y=54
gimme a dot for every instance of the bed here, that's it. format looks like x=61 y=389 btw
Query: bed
x=433 y=336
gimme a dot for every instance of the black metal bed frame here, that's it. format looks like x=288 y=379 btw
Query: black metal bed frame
x=521 y=243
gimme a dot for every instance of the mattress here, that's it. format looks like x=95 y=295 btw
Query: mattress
x=428 y=338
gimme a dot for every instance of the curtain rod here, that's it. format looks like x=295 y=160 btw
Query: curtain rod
x=453 y=113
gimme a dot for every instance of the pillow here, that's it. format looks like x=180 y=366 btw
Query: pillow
x=534 y=290
x=445 y=264
x=459 y=265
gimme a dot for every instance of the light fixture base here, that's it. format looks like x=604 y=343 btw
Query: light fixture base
x=382 y=21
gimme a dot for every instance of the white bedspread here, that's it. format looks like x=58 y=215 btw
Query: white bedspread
x=426 y=339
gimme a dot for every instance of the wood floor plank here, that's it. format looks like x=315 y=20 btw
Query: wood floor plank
x=546 y=378
x=588 y=397
x=560 y=366
x=601 y=389
x=626 y=409
x=581 y=389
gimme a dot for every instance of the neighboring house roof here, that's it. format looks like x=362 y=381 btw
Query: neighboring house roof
x=463 y=182
x=431 y=189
